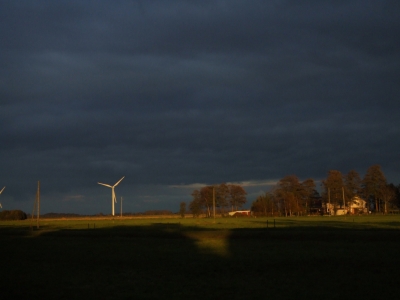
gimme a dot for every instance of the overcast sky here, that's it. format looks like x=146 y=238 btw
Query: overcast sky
x=175 y=94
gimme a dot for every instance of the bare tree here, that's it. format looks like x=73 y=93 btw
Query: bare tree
x=222 y=196
x=264 y=204
x=352 y=184
x=373 y=184
x=237 y=196
x=388 y=196
x=182 y=209
x=291 y=194
x=333 y=188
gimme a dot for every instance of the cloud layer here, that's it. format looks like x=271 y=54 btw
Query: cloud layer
x=173 y=93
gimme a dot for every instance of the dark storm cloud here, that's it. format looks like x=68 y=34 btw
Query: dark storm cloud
x=182 y=92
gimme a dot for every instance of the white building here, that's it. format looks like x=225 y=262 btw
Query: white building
x=358 y=206
x=355 y=206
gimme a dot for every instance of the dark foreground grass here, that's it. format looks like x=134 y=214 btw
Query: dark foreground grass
x=301 y=258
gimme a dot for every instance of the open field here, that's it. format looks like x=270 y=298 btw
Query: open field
x=229 y=258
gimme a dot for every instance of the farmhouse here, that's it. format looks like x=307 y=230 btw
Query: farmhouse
x=357 y=206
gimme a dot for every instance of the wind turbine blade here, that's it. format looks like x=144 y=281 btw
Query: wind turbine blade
x=2 y=190
x=107 y=185
x=119 y=181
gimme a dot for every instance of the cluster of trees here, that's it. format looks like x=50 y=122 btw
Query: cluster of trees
x=12 y=215
x=290 y=196
x=226 y=196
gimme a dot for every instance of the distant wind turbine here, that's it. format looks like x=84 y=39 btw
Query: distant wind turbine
x=0 y=194
x=113 y=198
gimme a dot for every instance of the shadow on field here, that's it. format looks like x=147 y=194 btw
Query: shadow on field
x=173 y=261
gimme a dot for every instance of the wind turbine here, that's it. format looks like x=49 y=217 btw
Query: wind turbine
x=0 y=194
x=113 y=198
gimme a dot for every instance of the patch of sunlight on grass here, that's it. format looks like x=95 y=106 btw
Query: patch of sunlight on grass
x=217 y=244
x=36 y=233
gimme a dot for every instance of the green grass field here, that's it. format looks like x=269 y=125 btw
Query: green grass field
x=226 y=258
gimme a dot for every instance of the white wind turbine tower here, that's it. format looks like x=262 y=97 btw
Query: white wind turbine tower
x=0 y=194
x=113 y=198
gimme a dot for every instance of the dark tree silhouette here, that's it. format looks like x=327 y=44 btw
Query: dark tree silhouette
x=373 y=184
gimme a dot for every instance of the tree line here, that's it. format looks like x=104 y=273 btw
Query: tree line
x=226 y=196
x=9 y=215
x=290 y=196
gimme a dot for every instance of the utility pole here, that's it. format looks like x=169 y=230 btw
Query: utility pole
x=329 y=199
x=214 y=202
x=36 y=207
x=121 y=206
x=38 y=203
x=344 y=201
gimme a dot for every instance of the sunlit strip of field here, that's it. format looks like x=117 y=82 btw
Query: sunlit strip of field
x=226 y=223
